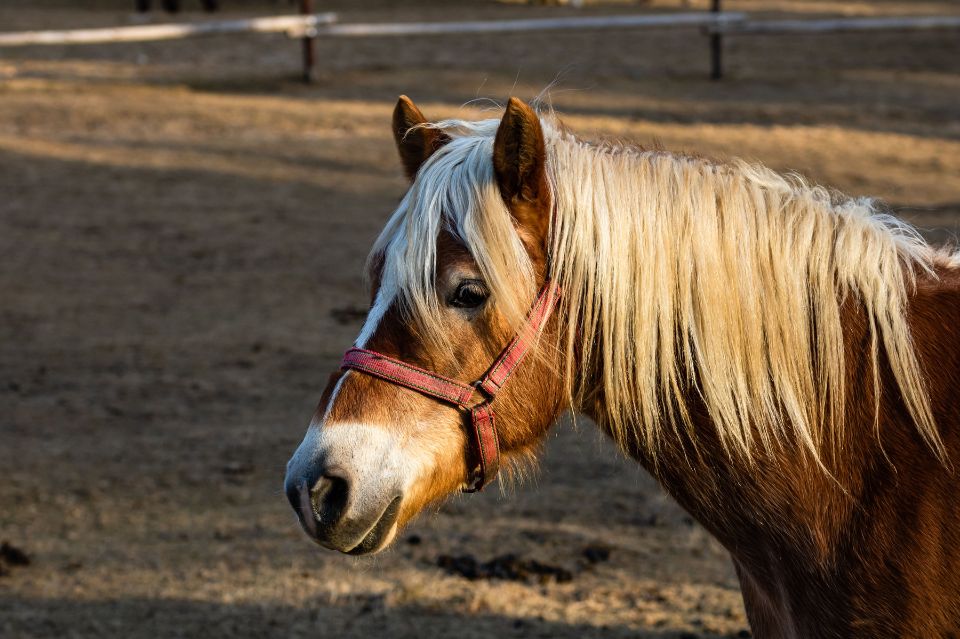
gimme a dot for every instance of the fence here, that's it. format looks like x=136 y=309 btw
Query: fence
x=310 y=26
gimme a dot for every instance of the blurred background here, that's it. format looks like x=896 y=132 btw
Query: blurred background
x=182 y=229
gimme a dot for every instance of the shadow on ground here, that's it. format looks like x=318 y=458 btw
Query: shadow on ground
x=176 y=618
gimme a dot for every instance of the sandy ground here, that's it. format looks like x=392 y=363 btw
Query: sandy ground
x=182 y=227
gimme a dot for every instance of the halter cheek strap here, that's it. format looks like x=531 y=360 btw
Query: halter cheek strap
x=483 y=432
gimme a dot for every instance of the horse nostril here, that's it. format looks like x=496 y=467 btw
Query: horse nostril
x=329 y=499
x=293 y=495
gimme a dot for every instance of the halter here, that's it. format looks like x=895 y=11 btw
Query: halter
x=450 y=391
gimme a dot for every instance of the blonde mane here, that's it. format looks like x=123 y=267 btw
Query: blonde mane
x=682 y=276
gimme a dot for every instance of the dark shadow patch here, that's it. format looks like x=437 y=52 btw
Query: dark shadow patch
x=508 y=567
x=346 y=315
x=596 y=553
x=12 y=557
x=359 y=616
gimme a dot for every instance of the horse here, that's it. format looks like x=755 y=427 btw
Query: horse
x=783 y=359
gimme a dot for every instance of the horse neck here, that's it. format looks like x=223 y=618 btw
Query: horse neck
x=780 y=517
x=807 y=538
x=781 y=500
x=807 y=535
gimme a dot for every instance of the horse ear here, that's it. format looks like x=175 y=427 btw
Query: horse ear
x=520 y=165
x=414 y=142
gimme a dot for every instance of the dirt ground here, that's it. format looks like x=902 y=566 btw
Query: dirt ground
x=182 y=228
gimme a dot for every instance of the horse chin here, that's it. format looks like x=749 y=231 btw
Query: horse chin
x=381 y=534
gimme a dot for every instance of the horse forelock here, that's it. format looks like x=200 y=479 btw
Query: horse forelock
x=455 y=192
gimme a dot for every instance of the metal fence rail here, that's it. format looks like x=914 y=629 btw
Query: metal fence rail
x=146 y=33
x=663 y=20
x=837 y=25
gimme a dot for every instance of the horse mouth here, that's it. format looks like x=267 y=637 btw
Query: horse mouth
x=380 y=533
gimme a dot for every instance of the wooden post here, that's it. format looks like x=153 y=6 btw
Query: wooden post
x=716 y=46
x=309 y=44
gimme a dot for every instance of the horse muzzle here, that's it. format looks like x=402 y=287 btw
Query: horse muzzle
x=324 y=512
x=345 y=500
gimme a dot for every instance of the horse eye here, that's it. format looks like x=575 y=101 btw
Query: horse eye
x=469 y=294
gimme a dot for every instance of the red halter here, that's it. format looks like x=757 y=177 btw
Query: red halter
x=451 y=391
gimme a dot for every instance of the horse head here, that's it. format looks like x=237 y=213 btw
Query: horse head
x=380 y=446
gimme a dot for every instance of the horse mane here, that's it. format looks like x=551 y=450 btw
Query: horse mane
x=679 y=275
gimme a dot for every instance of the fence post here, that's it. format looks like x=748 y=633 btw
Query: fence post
x=309 y=44
x=716 y=45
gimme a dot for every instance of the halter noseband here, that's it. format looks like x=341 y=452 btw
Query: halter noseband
x=459 y=394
